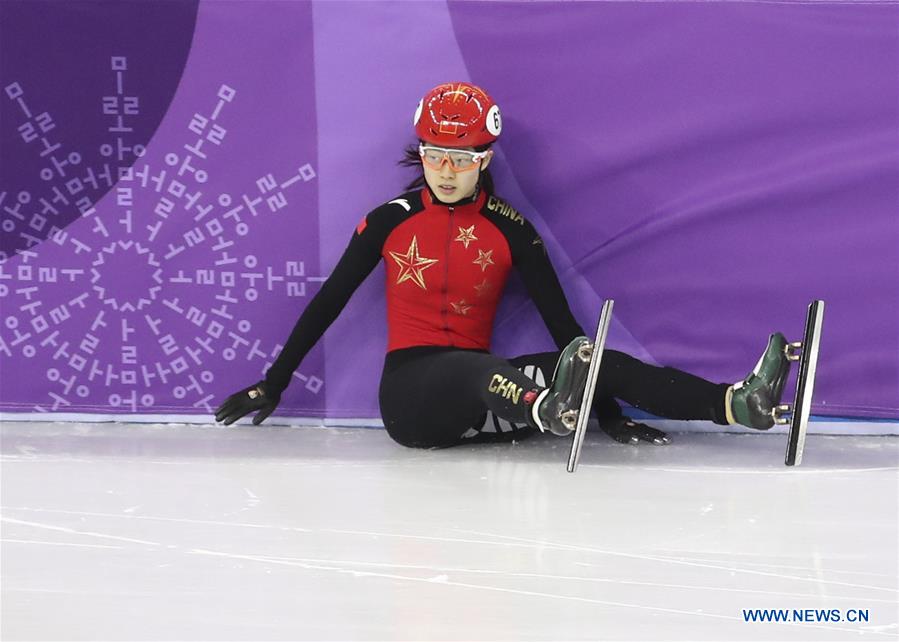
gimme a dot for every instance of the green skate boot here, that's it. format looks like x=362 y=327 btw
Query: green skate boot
x=556 y=408
x=752 y=401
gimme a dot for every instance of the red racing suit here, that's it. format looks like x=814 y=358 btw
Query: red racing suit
x=446 y=268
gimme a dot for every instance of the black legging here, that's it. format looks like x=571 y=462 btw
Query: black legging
x=433 y=397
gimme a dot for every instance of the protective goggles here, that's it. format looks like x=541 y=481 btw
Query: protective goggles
x=460 y=160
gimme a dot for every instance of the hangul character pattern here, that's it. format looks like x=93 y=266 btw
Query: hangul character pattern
x=98 y=321
x=198 y=124
x=180 y=392
x=119 y=149
x=24 y=272
x=57 y=235
x=169 y=345
x=143 y=173
x=39 y=324
x=59 y=166
x=127 y=220
x=271 y=279
x=196 y=149
x=225 y=95
x=130 y=402
x=38 y=222
x=71 y=273
x=92 y=179
x=202 y=211
x=100 y=227
x=194 y=237
x=129 y=355
x=31 y=308
x=180 y=278
x=127 y=331
x=47 y=207
x=153 y=324
x=32 y=130
x=124 y=196
x=251 y=294
x=296 y=288
x=276 y=200
x=251 y=203
x=196 y=316
x=153 y=230
x=205 y=343
x=80 y=247
x=164 y=207
x=60 y=313
x=199 y=175
x=225 y=258
x=14 y=210
x=48 y=148
x=304 y=173
x=227 y=299
x=229 y=354
x=27 y=350
x=15 y=92
x=89 y=344
x=58 y=196
x=172 y=304
x=120 y=105
x=78 y=301
x=234 y=213
x=55 y=376
x=85 y=206
x=58 y=403
x=204 y=277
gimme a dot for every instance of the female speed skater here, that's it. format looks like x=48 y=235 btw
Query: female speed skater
x=448 y=245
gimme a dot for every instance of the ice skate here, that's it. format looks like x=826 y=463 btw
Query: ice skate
x=753 y=401
x=556 y=409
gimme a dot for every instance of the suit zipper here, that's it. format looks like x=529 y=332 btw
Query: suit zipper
x=446 y=272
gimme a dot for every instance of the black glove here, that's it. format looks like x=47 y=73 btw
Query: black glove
x=256 y=397
x=626 y=431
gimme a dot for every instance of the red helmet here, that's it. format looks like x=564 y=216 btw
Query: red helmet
x=458 y=114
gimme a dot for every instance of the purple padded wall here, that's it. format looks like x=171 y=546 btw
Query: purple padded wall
x=168 y=211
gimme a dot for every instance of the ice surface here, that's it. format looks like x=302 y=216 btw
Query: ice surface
x=126 y=532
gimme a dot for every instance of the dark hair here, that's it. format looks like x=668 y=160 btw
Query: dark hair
x=411 y=158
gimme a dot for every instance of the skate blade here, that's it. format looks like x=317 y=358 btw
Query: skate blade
x=800 y=411
x=580 y=431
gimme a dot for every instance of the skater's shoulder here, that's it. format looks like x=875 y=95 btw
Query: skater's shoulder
x=502 y=212
x=391 y=213
x=522 y=236
x=405 y=204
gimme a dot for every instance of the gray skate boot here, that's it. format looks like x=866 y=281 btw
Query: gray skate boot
x=752 y=401
x=556 y=408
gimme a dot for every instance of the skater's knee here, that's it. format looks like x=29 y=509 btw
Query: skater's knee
x=615 y=360
x=409 y=442
x=418 y=441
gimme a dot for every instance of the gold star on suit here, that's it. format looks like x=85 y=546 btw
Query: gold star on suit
x=466 y=235
x=483 y=287
x=484 y=259
x=461 y=307
x=412 y=265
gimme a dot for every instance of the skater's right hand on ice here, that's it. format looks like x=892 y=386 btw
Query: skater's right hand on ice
x=250 y=399
x=627 y=431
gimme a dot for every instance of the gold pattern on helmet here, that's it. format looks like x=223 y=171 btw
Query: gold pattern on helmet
x=458 y=114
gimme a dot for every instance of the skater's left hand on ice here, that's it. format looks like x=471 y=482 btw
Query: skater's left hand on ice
x=626 y=431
